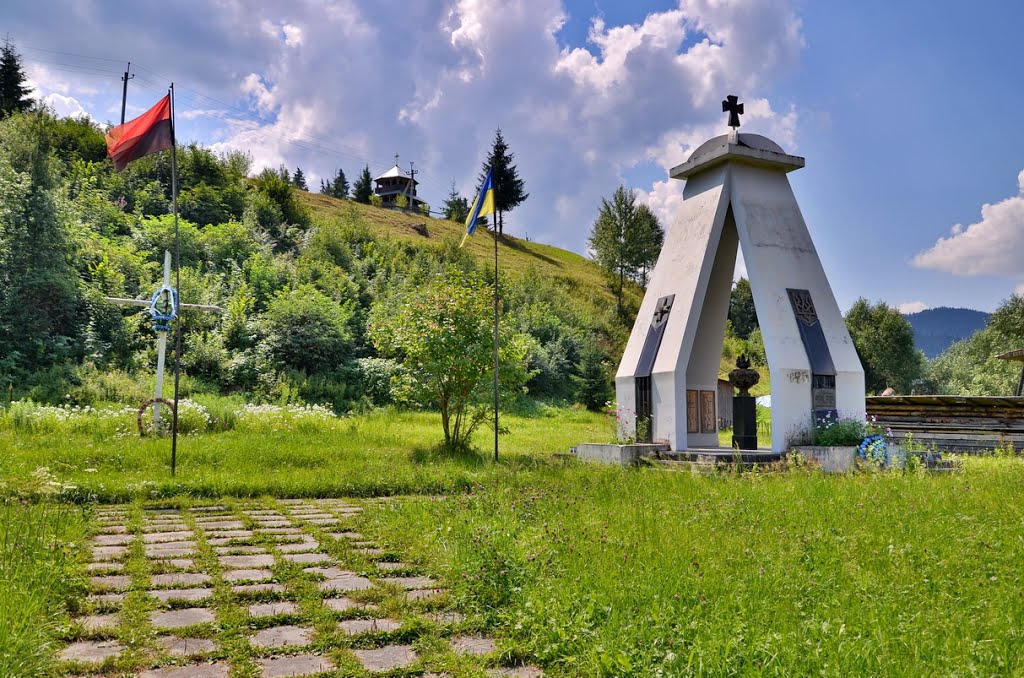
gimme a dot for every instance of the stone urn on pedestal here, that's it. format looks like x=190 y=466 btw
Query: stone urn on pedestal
x=744 y=405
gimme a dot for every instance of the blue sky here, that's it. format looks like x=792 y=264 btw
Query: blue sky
x=914 y=185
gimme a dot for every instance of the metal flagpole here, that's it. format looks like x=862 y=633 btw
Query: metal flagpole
x=494 y=228
x=177 y=285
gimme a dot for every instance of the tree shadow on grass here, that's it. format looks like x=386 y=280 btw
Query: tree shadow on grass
x=465 y=456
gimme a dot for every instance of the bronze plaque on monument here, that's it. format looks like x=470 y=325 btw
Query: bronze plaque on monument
x=708 y=419
x=692 y=412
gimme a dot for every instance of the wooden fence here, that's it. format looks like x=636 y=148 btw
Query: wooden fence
x=952 y=423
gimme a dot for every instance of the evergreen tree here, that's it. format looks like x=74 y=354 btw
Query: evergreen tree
x=13 y=91
x=339 y=186
x=456 y=207
x=362 y=189
x=299 y=179
x=40 y=301
x=741 y=309
x=508 y=187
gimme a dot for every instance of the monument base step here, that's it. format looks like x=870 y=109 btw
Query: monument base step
x=717 y=456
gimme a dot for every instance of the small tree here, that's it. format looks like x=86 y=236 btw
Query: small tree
x=424 y=209
x=401 y=201
x=362 y=189
x=339 y=186
x=456 y=207
x=13 y=91
x=299 y=179
x=508 y=187
x=649 y=236
x=884 y=341
x=611 y=238
x=443 y=332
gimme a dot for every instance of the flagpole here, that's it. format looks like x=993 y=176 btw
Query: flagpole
x=177 y=285
x=494 y=228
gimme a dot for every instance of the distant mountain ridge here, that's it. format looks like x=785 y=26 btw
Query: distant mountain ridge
x=935 y=329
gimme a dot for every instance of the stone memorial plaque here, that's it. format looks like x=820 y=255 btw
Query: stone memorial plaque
x=692 y=412
x=824 y=398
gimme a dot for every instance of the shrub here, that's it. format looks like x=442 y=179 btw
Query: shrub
x=307 y=331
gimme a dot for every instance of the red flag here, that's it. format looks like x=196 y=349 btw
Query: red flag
x=148 y=133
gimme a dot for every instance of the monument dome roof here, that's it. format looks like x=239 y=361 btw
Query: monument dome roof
x=755 y=141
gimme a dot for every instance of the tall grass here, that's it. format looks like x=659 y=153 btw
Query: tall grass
x=286 y=453
x=38 y=580
x=614 y=572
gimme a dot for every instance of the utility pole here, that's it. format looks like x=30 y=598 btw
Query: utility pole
x=412 y=184
x=124 y=92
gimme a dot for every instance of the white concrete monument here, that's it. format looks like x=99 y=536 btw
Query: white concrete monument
x=736 y=195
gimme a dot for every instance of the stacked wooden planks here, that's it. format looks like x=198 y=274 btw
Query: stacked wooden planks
x=952 y=423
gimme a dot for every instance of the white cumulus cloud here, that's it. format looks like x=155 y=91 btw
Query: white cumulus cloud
x=991 y=246
x=911 y=307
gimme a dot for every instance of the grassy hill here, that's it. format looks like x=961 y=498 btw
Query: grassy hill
x=515 y=256
x=581 y=276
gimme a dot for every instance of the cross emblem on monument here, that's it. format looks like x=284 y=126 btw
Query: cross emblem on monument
x=732 y=106
x=662 y=310
x=163 y=308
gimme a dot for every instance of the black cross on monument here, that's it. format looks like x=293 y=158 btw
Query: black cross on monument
x=732 y=106
x=661 y=312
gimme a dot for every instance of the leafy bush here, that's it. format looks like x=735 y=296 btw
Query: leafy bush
x=376 y=375
x=307 y=331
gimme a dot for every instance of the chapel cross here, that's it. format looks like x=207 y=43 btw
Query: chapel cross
x=163 y=308
x=396 y=160
x=732 y=106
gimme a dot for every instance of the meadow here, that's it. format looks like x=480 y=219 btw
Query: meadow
x=583 y=570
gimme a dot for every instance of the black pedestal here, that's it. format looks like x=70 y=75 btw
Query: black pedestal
x=744 y=423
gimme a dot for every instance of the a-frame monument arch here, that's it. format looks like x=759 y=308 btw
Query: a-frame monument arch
x=737 y=196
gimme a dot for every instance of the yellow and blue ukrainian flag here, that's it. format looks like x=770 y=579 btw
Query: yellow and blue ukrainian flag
x=484 y=204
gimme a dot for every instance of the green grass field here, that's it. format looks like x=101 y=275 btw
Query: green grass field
x=583 y=570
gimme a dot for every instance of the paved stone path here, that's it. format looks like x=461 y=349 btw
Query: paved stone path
x=272 y=588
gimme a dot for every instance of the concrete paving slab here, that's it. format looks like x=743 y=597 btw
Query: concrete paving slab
x=245 y=589
x=91 y=651
x=273 y=609
x=356 y=626
x=218 y=670
x=282 y=636
x=386 y=658
x=185 y=647
x=248 y=575
x=179 y=579
x=247 y=561
x=299 y=665
x=173 y=619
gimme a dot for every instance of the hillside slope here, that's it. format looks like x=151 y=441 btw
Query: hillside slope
x=515 y=256
x=935 y=329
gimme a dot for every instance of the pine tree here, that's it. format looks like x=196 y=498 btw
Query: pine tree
x=13 y=91
x=508 y=187
x=362 y=190
x=299 y=179
x=339 y=186
x=40 y=300
x=456 y=207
